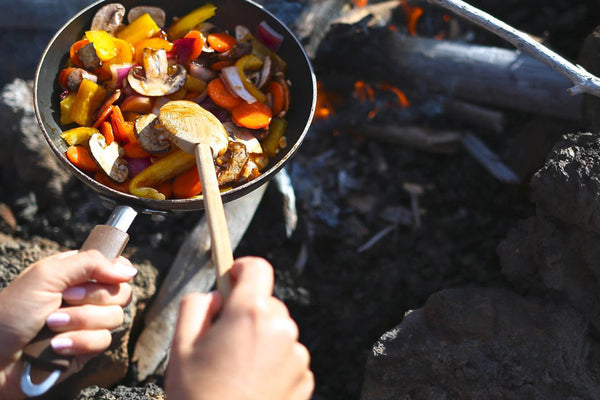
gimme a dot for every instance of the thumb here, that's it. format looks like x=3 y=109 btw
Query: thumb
x=196 y=314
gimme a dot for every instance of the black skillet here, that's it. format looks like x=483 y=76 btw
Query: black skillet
x=111 y=237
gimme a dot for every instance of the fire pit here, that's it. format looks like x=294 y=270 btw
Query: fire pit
x=389 y=218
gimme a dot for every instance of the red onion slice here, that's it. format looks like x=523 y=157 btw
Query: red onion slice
x=137 y=165
x=271 y=38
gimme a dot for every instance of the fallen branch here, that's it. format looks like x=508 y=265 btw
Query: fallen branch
x=584 y=81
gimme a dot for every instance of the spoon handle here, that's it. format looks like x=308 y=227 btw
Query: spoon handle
x=222 y=254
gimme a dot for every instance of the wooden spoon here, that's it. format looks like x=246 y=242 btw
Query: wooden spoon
x=199 y=132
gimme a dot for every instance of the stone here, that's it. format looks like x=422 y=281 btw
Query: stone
x=484 y=343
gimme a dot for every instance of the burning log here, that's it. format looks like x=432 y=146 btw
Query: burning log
x=484 y=75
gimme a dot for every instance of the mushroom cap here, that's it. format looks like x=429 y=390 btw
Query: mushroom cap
x=109 y=158
x=108 y=18
x=155 y=77
x=152 y=137
x=234 y=160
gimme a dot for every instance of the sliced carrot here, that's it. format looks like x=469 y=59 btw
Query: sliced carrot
x=221 y=42
x=219 y=65
x=81 y=158
x=106 y=181
x=74 y=49
x=278 y=94
x=123 y=130
x=106 y=108
x=221 y=95
x=166 y=188
x=187 y=184
x=134 y=150
x=253 y=116
x=107 y=132
x=198 y=44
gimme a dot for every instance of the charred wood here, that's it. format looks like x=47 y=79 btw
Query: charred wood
x=314 y=22
x=418 y=137
x=490 y=76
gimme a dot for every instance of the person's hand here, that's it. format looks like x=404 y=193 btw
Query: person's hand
x=94 y=288
x=251 y=350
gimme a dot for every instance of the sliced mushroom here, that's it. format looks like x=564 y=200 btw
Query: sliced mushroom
x=155 y=77
x=233 y=161
x=76 y=76
x=108 y=18
x=244 y=136
x=238 y=50
x=89 y=58
x=109 y=158
x=241 y=32
x=151 y=135
x=156 y=13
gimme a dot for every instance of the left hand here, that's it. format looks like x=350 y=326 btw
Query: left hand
x=94 y=288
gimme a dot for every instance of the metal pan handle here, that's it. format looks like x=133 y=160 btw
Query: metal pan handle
x=42 y=363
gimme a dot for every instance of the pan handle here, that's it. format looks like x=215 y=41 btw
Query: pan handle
x=42 y=363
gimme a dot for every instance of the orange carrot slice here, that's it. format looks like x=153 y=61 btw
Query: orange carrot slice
x=253 y=116
x=166 y=188
x=107 y=132
x=81 y=158
x=278 y=94
x=187 y=184
x=198 y=44
x=221 y=95
x=221 y=42
x=106 y=181
x=134 y=150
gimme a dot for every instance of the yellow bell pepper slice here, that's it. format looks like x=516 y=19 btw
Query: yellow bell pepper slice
x=66 y=105
x=141 y=28
x=103 y=43
x=195 y=84
x=78 y=135
x=144 y=183
x=250 y=62
x=272 y=143
x=261 y=51
x=90 y=97
x=189 y=21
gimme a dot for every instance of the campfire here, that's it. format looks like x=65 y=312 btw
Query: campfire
x=434 y=237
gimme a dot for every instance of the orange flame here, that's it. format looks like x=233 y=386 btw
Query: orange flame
x=324 y=107
x=402 y=99
x=363 y=91
x=412 y=14
x=360 y=3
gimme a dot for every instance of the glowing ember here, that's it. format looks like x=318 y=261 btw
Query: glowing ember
x=363 y=91
x=324 y=107
x=360 y=3
x=402 y=99
x=412 y=15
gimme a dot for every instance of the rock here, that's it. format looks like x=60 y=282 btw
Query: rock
x=147 y=392
x=477 y=343
x=25 y=155
x=567 y=186
x=110 y=367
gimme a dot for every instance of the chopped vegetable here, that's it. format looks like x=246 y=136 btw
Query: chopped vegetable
x=221 y=42
x=189 y=21
x=90 y=97
x=250 y=62
x=221 y=95
x=187 y=184
x=120 y=187
x=278 y=97
x=75 y=47
x=107 y=132
x=155 y=78
x=166 y=188
x=154 y=43
x=66 y=105
x=81 y=158
x=79 y=135
x=272 y=143
x=108 y=157
x=144 y=183
x=103 y=43
x=134 y=150
x=269 y=36
x=254 y=116
x=198 y=44
x=143 y=27
x=231 y=77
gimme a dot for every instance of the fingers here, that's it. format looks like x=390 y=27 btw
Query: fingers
x=98 y=294
x=61 y=271
x=81 y=342
x=252 y=277
x=196 y=313
x=85 y=318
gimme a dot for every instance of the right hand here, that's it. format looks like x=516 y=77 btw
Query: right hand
x=251 y=351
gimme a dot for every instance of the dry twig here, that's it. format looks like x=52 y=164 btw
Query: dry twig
x=584 y=81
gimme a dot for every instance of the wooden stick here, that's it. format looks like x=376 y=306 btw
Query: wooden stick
x=584 y=81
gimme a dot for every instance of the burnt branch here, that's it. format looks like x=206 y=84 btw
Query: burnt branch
x=584 y=81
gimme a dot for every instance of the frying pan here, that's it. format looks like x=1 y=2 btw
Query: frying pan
x=111 y=237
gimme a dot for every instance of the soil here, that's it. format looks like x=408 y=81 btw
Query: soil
x=343 y=289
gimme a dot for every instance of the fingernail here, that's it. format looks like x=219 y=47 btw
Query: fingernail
x=58 y=319
x=126 y=270
x=74 y=293
x=61 y=343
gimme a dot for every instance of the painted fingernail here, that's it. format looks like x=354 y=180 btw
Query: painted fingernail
x=74 y=293
x=61 y=343
x=58 y=319
x=126 y=270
